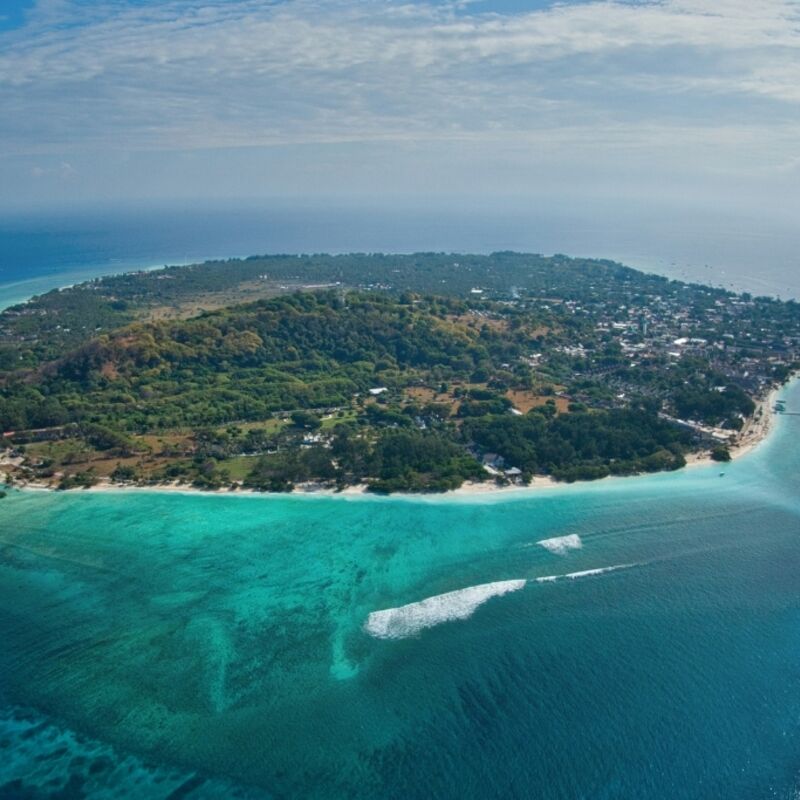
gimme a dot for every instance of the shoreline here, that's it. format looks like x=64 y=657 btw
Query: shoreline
x=76 y=276
x=755 y=431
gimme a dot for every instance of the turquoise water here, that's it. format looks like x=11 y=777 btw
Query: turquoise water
x=161 y=645
x=20 y=291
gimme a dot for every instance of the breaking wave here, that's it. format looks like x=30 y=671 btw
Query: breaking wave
x=583 y=574
x=562 y=544
x=399 y=623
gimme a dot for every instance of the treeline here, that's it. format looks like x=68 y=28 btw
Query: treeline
x=391 y=461
x=723 y=405
x=394 y=455
x=581 y=445
x=568 y=447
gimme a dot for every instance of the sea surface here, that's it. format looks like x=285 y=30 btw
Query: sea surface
x=632 y=638
x=44 y=251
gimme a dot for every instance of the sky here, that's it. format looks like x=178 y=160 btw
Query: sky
x=671 y=103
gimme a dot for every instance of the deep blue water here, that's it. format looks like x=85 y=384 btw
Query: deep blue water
x=219 y=646
x=40 y=252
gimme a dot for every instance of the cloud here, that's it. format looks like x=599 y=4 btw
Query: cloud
x=599 y=89
x=64 y=171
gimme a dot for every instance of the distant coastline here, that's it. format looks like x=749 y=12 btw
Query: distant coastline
x=16 y=292
x=125 y=237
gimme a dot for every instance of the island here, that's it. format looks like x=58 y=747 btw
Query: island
x=410 y=373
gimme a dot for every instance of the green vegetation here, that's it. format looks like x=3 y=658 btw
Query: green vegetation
x=80 y=480
x=582 y=445
x=721 y=453
x=728 y=403
x=572 y=368
x=298 y=352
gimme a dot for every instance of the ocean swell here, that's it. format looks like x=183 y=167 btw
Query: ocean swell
x=408 y=620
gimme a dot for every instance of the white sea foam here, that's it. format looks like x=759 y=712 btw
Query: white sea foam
x=562 y=544
x=583 y=574
x=399 y=623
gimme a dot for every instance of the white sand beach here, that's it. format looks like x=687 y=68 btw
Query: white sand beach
x=754 y=432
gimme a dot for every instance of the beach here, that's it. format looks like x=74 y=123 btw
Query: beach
x=756 y=429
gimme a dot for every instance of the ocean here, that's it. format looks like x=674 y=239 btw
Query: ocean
x=44 y=251
x=632 y=638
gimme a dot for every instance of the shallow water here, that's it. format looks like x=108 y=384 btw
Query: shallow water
x=210 y=644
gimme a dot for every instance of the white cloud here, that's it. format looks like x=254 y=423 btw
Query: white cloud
x=63 y=171
x=660 y=86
